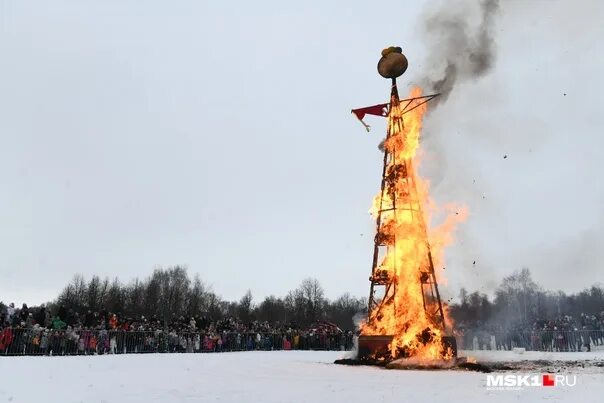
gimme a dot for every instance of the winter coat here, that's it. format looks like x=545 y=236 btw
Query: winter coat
x=72 y=335
x=6 y=338
x=40 y=317
x=24 y=313
x=197 y=342
x=10 y=312
x=47 y=320
x=58 y=324
x=44 y=340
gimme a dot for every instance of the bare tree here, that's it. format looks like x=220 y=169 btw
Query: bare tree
x=116 y=297
x=93 y=298
x=272 y=309
x=198 y=299
x=245 y=307
x=344 y=309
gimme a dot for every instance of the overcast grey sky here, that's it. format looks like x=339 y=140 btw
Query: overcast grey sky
x=218 y=135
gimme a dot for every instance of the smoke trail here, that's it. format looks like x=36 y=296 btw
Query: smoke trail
x=458 y=52
x=467 y=52
x=357 y=319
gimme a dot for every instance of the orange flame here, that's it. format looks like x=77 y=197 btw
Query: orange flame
x=412 y=249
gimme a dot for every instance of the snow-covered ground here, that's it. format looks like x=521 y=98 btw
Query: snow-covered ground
x=280 y=376
x=485 y=355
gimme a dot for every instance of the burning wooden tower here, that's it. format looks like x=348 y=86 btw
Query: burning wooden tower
x=405 y=312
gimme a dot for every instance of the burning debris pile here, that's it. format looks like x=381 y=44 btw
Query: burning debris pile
x=406 y=317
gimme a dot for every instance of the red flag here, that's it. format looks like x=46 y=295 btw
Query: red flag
x=377 y=110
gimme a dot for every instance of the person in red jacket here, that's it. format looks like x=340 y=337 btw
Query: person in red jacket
x=6 y=338
x=113 y=322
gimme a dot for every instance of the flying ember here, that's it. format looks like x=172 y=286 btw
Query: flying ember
x=406 y=316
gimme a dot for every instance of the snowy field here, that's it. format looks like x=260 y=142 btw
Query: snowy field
x=280 y=376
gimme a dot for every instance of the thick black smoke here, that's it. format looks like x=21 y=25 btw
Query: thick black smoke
x=460 y=49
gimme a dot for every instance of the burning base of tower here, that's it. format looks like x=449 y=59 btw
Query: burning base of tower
x=406 y=317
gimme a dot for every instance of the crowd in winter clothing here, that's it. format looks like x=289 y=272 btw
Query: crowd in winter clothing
x=568 y=323
x=564 y=333
x=37 y=331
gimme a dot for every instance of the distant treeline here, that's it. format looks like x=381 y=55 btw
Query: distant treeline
x=520 y=302
x=170 y=293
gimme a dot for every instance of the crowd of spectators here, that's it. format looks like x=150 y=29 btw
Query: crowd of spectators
x=65 y=331
x=38 y=331
x=565 y=333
